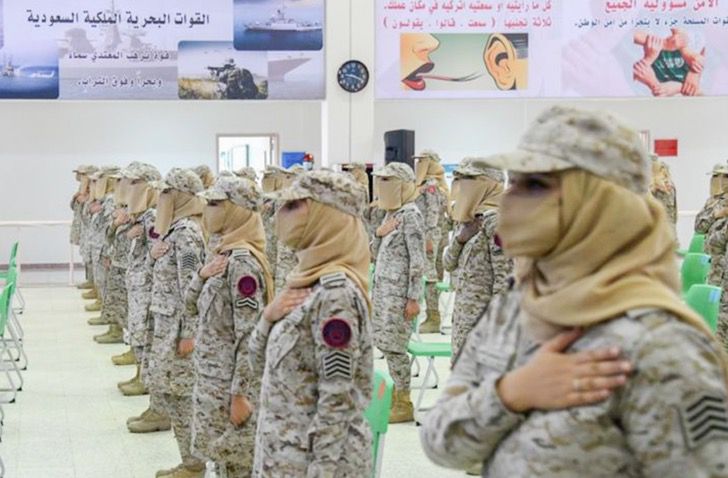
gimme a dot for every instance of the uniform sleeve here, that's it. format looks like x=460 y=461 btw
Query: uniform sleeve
x=257 y=345
x=335 y=328
x=376 y=242
x=415 y=243
x=717 y=237
x=432 y=213
x=247 y=290
x=674 y=410
x=193 y=293
x=189 y=250
x=704 y=220
x=470 y=420
x=451 y=256
x=501 y=265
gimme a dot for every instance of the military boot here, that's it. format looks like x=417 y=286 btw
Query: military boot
x=432 y=324
x=134 y=388
x=90 y=294
x=402 y=408
x=476 y=470
x=153 y=422
x=126 y=383
x=115 y=335
x=94 y=307
x=127 y=358
x=144 y=415
x=197 y=471
x=167 y=473
x=87 y=285
x=100 y=320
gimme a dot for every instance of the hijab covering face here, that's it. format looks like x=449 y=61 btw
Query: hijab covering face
x=239 y=228
x=173 y=206
x=269 y=183
x=141 y=197
x=121 y=193
x=606 y=250
x=102 y=186
x=327 y=241
x=475 y=195
x=394 y=193
x=427 y=168
x=83 y=184
x=716 y=185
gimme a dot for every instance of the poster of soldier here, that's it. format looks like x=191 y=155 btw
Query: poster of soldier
x=152 y=50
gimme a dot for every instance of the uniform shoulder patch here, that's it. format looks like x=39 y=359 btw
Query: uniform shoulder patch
x=247 y=286
x=189 y=261
x=338 y=364
x=332 y=281
x=431 y=189
x=153 y=234
x=248 y=302
x=704 y=419
x=336 y=333
x=241 y=253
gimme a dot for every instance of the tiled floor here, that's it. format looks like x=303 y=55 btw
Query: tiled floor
x=69 y=421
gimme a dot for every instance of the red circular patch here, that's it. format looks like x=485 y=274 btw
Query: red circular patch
x=337 y=333
x=247 y=286
x=153 y=233
x=432 y=189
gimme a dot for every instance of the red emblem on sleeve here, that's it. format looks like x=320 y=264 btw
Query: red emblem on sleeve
x=247 y=286
x=431 y=189
x=153 y=233
x=336 y=333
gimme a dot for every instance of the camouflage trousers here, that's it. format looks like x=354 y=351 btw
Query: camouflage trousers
x=462 y=324
x=214 y=438
x=100 y=275
x=432 y=297
x=716 y=271
x=116 y=305
x=89 y=270
x=179 y=410
x=400 y=368
x=440 y=249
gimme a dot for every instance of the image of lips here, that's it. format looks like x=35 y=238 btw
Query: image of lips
x=417 y=65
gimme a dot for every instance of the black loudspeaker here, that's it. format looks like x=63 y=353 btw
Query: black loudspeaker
x=399 y=147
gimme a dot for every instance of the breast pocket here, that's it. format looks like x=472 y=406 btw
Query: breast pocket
x=209 y=294
x=285 y=339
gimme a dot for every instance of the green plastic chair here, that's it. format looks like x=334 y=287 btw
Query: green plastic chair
x=695 y=269
x=697 y=244
x=377 y=414
x=429 y=350
x=705 y=300
x=11 y=261
x=9 y=364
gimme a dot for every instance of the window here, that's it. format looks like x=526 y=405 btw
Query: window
x=239 y=151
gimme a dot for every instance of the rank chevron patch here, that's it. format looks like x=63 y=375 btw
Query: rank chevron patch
x=337 y=364
x=704 y=419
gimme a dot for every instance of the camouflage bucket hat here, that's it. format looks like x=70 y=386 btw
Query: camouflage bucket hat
x=719 y=169
x=396 y=170
x=473 y=167
x=247 y=173
x=109 y=171
x=85 y=169
x=566 y=138
x=428 y=154
x=239 y=191
x=337 y=190
x=143 y=171
x=184 y=180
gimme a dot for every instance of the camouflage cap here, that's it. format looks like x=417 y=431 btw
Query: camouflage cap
x=474 y=167
x=429 y=154
x=143 y=171
x=202 y=170
x=86 y=169
x=109 y=171
x=337 y=190
x=566 y=138
x=185 y=180
x=719 y=169
x=247 y=173
x=396 y=170
x=239 y=191
x=353 y=166
x=295 y=169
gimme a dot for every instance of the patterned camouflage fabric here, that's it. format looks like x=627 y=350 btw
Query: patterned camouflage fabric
x=267 y=212
x=143 y=171
x=401 y=264
x=374 y=218
x=184 y=180
x=239 y=191
x=228 y=306
x=564 y=138
x=669 y=421
x=716 y=241
x=317 y=367
x=286 y=261
x=337 y=190
x=100 y=224
x=247 y=173
x=139 y=282
x=397 y=170
x=478 y=272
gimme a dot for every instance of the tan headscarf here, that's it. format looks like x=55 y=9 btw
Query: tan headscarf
x=83 y=184
x=243 y=229
x=104 y=185
x=661 y=179
x=141 y=197
x=475 y=195
x=615 y=254
x=360 y=175
x=174 y=205
x=332 y=241
x=121 y=192
x=394 y=193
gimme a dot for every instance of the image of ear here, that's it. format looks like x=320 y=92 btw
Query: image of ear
x=500 y=59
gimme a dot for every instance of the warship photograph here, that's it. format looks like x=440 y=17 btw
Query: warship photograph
x=279 y=25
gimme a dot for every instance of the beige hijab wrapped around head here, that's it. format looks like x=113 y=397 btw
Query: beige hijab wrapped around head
x=473 y=196
x=174 y=205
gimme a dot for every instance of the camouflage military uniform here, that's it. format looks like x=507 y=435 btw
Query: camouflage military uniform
x=84 y=247
x=286 y=261
x=228 y=306
x=431 y=203
x=100 y=223
x=398 y=276
x=374 y=218
x=716 y=241
x=77 y=209
x=670 y=420
x=271 y=243
x=668 y=199
x=311 y=422
x=171 y=377
x=705 y=218
x=116 y=305
x=479 y=271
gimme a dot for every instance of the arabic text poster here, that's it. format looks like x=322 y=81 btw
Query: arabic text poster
x=551 y=48
x=279 y=25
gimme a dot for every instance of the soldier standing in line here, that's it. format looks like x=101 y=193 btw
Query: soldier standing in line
x=313 y=343
x=206 y=175
x=101 y=211
x=228 y=293
x=270 y=183
x=79 y=206
x=642 y=389
x=400 y=250
x=434 y=204
x=662 y=188
x=142 y=202
x=718 y=187
x=478 y=267
x=715 y=213
x=176 y=257
x=286 y=259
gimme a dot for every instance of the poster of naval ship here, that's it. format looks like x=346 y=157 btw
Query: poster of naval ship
x=279 y=25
